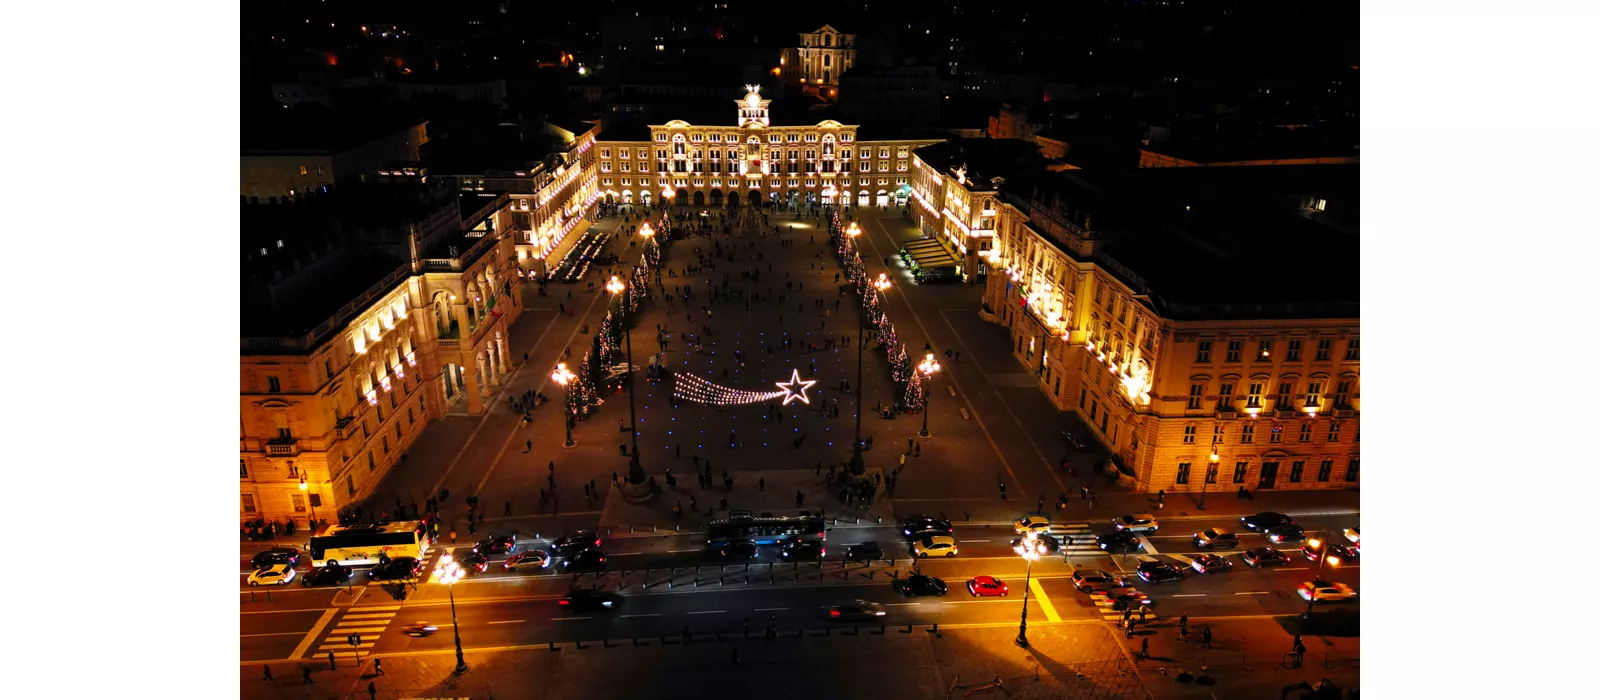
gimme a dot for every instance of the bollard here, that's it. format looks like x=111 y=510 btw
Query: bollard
x=652 y=529
x=552 y=646
x=252 y=596
x=908 y=628
x=883 y=628
x=269 y=596
x=935 y=629
x=697 y=580
x=579 y=644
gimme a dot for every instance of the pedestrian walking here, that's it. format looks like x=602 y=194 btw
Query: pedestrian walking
x=530 y=447
x=372 y=690
x=452 y=541
x=761 y=484
x=266 y=673
x=1144 y=648
x=332 y=665
x=305 y=674
x=377 y=666
x=1205 y=636
x=1141 y=614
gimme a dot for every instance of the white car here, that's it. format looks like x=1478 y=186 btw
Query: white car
x=935 y=546
x=1138 y=522
x=275 y=575
x=1031 y=523
x=1353 y=534
x=1326 y=591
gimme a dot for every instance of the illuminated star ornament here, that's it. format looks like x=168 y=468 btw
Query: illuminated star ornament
x=688 y=387
x=789 y=392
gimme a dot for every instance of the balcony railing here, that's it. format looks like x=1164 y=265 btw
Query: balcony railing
x=283 y=447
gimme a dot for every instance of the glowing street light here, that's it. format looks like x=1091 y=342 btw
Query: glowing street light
x=645 y=230
x=635 y=471
x=564 y=377
x=1205 y=481
x=307 y=487
x=857 y=465
x=928 y=366
x=1030 y=549
x=448 y=572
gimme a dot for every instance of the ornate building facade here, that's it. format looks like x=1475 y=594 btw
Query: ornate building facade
x=753 y=160
x=1193 y=357
x=328 y=405
x=816 y=64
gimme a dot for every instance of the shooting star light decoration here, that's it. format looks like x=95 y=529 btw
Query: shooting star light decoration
x=688 y=387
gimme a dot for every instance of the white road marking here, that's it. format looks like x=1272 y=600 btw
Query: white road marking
x=316 y=631
x=350 y=630
x=557 y=619
x=769 y=609
x=644 y=615
x=681 y=551
x=1188 y=595
x=902 y=603
x=706 y=612
x=1254 y=593
x=506 y=622
x=966 y=541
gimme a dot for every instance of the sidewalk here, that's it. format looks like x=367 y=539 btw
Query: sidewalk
x=864 y=663
x=777 y=497
x=1179 y=506
x=1247 y=658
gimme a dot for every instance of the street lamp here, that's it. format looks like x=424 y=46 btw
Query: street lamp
x=635 y=472
x=927 y=367
x=1317 y=544
x=564 y=378
x=312 y=526
x=857 y=465
x=1030 y=549
x=448 y=573
x=1205 y=481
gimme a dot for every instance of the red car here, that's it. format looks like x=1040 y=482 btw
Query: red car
x=985 y=586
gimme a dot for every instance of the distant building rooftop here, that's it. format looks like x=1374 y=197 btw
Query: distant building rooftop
x=985 y=159
x=316 y=129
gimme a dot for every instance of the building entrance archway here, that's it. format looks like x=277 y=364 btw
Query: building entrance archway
x=699 y=199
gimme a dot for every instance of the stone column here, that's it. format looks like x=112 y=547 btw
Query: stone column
x=474 y=400
x=505 y=352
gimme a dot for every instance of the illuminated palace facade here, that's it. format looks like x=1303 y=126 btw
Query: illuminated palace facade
x=1190 y=354
x=752 y=160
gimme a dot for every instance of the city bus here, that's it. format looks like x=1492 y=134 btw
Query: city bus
x=765 y=530
x=354 y=545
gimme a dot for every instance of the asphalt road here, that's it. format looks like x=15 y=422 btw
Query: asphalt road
x=501 y=608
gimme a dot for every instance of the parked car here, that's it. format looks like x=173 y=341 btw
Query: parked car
x=987 y=586
x=276 y=555
x=1031 y=523
x=1265 y=520
x=529 y=559
x=743 y=550
x=918 y=584
x=396 y=569
x=1326 y=591
x=1091 y=580
x=1286 y=533
x=496 y=544
x=1047 y=543
x=934 y=546
x=1120 y=541
x=1154 y=572
x=1216 y=538
x=803 y=550
x=272 y=575
x=591 y=559
x=574 y=543
x=330 y=575
x=1211 y=564
x=866 y=551
x=1262 y=557
x=917 y=526
x=1138 y=522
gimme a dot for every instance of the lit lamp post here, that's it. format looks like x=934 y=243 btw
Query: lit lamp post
x=857 y=465
x=563 y=377
x=1030 y=549
x=635 y=472
x=448 y=573
x=666 y=196
x=304 y=487
x=1205 y=481
x=927 y=367
x=1316 y=544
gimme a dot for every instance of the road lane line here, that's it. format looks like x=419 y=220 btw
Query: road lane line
x=681 y=551
x=706 y=612
x=769 y=609
x=644 y=615
x=1148 y=548
x=1254 y=593
x=269 y=634
x=506 y=622
x=1297 y=568
x=316 y=631
x=1188 y=595
x=902 y=603
x=623 y=554
x=1044 y=600
x=558 y=619
x=348 y=630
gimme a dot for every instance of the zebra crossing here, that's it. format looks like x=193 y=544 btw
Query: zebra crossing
x=367 y=621
x=1077 y=539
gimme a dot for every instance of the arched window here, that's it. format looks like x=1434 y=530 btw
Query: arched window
x=677 y=144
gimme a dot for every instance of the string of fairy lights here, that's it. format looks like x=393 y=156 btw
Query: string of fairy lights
x=687 y=387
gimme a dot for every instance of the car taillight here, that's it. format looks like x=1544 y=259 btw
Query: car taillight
x=564 y=602
x=833 y=613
